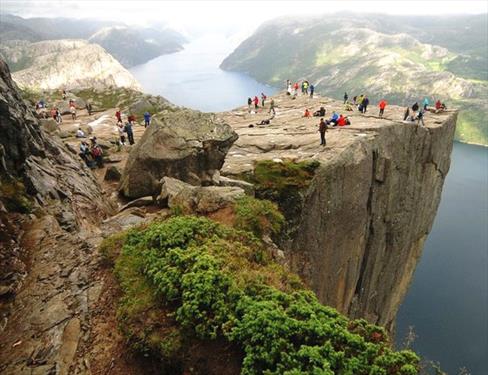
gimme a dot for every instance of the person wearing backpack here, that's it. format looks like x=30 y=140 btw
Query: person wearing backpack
x=97 y=154
x=147 y=119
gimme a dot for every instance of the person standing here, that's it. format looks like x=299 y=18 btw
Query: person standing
x=89 y=108
x=263 y=99
x=426 y=103
x=272 y=107
x=382 y=106
x=420 y=118
x=249 y=102
x=312 y=89
x=256 y=102
x=121 y=130
x=365 y=104
x=118 y=116
x=147 y=119
x=72 y=109
x=129 y=131
x=322 y=130
x=345 y=97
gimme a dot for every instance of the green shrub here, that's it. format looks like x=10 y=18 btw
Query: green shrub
x=211 y=281
x=258 y=216
x=14 y=196
x=111 y=246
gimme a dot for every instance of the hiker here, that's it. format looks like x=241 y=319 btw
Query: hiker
x=84 y=152
x=295 y=87
x=406 y=114
x=249 y=102
x=256 y=102
x=288 y=83
x=382 y=106
x=121 y=131
x=97 y=154
x=59 y=118
x=341 y=120
x=415 y=107
x=345 y=97
x=272 y=107
x=438 y=105
x=322 y=130
x=334 y=118
x=348 y=122
x=320 y=112
x=130 y=133
x=89 y=108
x=305 y=87
x=53 y=113
x=131 y=118
x=80 y=133
x=348 y=107
x=426 y=103
x=72 y=109
x=288 y=88
x=64 y=94
x=147 y=119
x=263 y=98
x=354 y=100
x=307 y=113
x=118 y=116
x=420 y=118
x=312 y=89
x=365 y=104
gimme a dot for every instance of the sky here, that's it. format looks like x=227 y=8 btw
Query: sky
x=230 y=16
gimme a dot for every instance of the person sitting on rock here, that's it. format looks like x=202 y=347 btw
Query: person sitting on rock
x=420 y=118
x=307 y=113
x=426 y=103
x=348 y=122
x=333 y=119
x=320 y=113
x=415 y=107
x=348 y=107
x=341 y=121
x=80 y=133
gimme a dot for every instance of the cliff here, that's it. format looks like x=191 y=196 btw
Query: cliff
x=361 y=223
x=69 y=64
x=381 y=56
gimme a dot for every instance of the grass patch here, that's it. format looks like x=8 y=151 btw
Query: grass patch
x=14 y=196
x=261 y=217
x=190 y=279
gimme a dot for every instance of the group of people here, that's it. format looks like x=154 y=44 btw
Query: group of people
x=255 y=101
x=92 y=154
x=306 y=88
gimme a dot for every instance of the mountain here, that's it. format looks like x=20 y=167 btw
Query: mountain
x=135 y=46
x=400 y=58
x=70 y=64
x=129 y=44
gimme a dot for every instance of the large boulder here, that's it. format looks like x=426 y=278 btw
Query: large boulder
x=188 y=145
x=177 y=194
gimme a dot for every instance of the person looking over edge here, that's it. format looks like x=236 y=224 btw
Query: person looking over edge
x=322 y=130
x=382 y=106
x=147 y=119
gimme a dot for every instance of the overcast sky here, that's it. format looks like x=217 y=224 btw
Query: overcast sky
x=225 y=15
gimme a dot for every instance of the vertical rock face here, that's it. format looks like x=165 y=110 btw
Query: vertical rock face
x=366 y=217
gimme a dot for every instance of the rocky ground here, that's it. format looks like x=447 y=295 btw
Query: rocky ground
x=63 y=318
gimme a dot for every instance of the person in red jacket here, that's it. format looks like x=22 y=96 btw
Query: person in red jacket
x=118 y=116
x=256 y=102
x=382 y=106
x=438 y=104
x=341 y=121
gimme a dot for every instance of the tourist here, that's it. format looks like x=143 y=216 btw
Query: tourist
x=365 y=104
x=415 y=107
x=426 y=103
x=72 y=109
x=129 y=131
x=305 y=87
x=84 y=152
x=382 y=106
x=295 y=88
x=322 y=130
x=341 y=121
x=256 y=102
x=288 y=87
x=89 y=108
x=272 y=107
x=406 y=114
x=147 y=119
x=348 y=107
x=59 y=118
x=312 y=89
x=345 y=97
x=263 y=99
x=420 y=118
x=118 y=116
x=334 y=118
x=249 y=102
x=80 y=133
x=131 y=118
x=97 y=154
x=121 y=131
x=307 y=113
x=320 y=112
x=64 y=94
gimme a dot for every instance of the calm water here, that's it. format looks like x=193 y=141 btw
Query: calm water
x=448 y=298
x=192 y=77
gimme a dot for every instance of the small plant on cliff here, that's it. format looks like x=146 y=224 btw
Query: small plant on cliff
x=14 y=196
x=190 y=279
x=260 y=217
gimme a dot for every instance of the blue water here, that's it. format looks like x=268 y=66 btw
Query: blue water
x=192 y=77
x=447 y=301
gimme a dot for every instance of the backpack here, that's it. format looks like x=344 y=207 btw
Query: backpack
x=96 y=151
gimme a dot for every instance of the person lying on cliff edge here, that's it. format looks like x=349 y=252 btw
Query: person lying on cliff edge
x=322 y=130
x=382 y=105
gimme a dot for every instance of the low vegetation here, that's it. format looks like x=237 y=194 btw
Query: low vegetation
x=190 y=279
x=14 y=196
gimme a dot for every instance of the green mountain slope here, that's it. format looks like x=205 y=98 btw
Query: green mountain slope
x=382 y=59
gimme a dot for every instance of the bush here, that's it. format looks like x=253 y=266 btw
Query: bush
x=14 y=196
x=260 y=217
x=214 y=282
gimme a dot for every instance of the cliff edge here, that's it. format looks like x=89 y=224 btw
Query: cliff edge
x=363 y=219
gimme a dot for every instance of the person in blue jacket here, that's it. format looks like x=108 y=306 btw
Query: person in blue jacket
x=426 y=103
x=147 y=119
x=334 y=118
